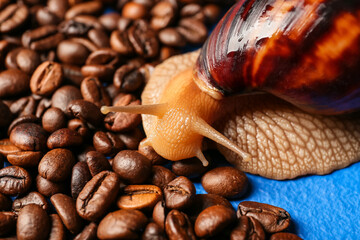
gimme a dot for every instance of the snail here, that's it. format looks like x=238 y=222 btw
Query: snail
x=276 y=86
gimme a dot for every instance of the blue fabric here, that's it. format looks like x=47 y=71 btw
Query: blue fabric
x=321 y=207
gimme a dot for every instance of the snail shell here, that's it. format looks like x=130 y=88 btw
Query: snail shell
x=306 y=52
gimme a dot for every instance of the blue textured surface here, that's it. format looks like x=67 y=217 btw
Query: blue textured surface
x=321 y=207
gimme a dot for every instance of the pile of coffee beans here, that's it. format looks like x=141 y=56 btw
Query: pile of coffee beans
x=66 y=170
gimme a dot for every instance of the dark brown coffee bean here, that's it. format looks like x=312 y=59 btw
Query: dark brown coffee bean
x=133 y=10
x=30 y=198
x=10 y=59
x=193 y=10
x=44 y=16
x=5 y=202
x=178 y=226
x=128 y=78
x=72 y=73
x=12 y=17
x=132 y=167
x=93 y=91
x=190 y=168
x=22 y=119
x=159 y=214
x=27 y=60
x=179 y=193
x=24 y=106
x=43 y=105
x=86 y=111
x=143 y=39
x=13 y=82
x=212 y=13
x=161 y=176
x=56 y=165
x=110 y=20
x=88 y=233
x=150 y=153
x=284 y=236
x=79 y=177
x=14 y=180
x=120 y=42
x=33 y=223
x=141 y=197
x=247 y=228
x=64 y=95
x=99 y=38
x=153 y=232
x=47 y=77
x=64 y=138
x=57 y=230
x=80 y=127
x=74 y=28
x=48 y=188
x=97 y=162
x=107 y=143
x=97 y=195
x=6 y=117
x=7 y=147
x=25 y=158
x=213 y=220
x=42 y=38
x=58 y=7
x=123 y=24
x=122 y=224
x=225 y=181
x=103 y=72
x=103 y=56
x=7 y=223
x=53 y=119
x=65 y=207
x=86 y=8
x=193 y=30
x=273 y=219
x=163 y=14
x=72 y=52
x=171 y=37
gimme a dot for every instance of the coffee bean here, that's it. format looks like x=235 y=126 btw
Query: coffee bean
x=64 y=95
x=6 y=118
x=179 y=193
x=190 y=168
x=33 y=223
x=24 y=158
x=97 y=195
x=159 y=214
x=72 y=73
x=214 y=220
x=150 y=153
x=13 y=82
x=43 y=105
x=104 y=56
x=153 y=232
x=56 y=165
x=212 y=13
x=27 y=60
x=178 y=226
x=120 y=42
x=22 y=119
x=273 y=219
x=109 y=20
x=57 y=231
x=44 y=16
x=7 y=147
x=193 y=30
x=13 y=17
x=88 y=233
x=79 y=177
x=163 y=14
x=74 y=28
x=47 y=77
x=122 y=224
x=171 y=37
x=65 y=207
x=53 y=119
x=14 y=180
x=132 y=167
x=107 y=143
x=86 y=8
x=99 y=38
x=48 y=188
x=24 y=106
x=64 y=138
x=7 y=223
x=128 y=78
x=124 y=24
x=143 y=39
x=93 y=91
x=133 y=10
x=30 y=198
x=141 y=197
x=5 y=202
x=167 y=52
x=225 y=181
x=284 y=236
x=103 y=72
x=247 y=228
x=72 y=52
x=86 y=111
x=80 y=127
x=97 y=162
x=42 y=38
x=161 y=176
x=58 y=7
x=192 y=10
x=10 y=59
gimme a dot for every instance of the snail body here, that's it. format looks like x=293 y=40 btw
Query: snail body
x=191 y=96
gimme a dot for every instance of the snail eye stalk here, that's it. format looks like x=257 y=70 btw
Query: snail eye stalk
x=151 y=109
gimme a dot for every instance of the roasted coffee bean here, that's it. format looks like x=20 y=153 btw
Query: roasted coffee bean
x=273 y=219
x=57 y=230
x=27 y=60
x=99 y=38
x=64 y=95
x=7 y=223
x=107 y=143
x=212 y=13
x=153 y=232
x=13 y=82
x=12 y=17
x=58 y=7
x=14 y=180
x=88 y=233
x=48 y=188
x=24 y=106
x=161 y=176
x=47 y=77
x=123 y=24
x=5 y=203
x=53 y=119
x=64 y=138
x=33 y=223
x=171 y=37
x=97 y=195
x=179 y=193
x=141 y=197
x=71 y=52
x=128 y=78
x=150 y=153
x=72 y=73
x=120 y=42
x=6 y=117
x=163 y=14
x=25 y=158
x=22 y=119
x=44 y=16
x=74 y=28
x=10 y=59
x=110 y=20
x=65 y=207
x=30 y=198
x=193 y=10
x=132 y=167
x=80 y=127
x=79 y=177
x=104 y=56
x=225 y=181
x=247 y=228
x=93 y=91
x=103 y=72
x=86 y=111
x=43 y=105
x=213 y=220
x=122 y=224
x=159 y=214
x=284 y=236
x=190 y=168
x=7 y=147
x=56 y=165
x=85 y=8
x=193 y=30
x=134 y=10
x=143 y=39
x=97 y=162
x=42 y=38
x=178 y=226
